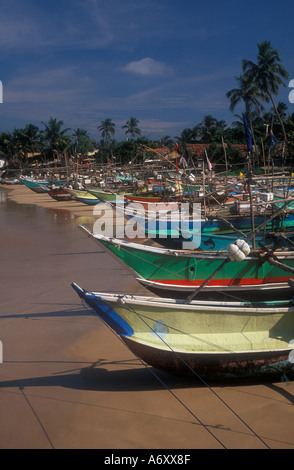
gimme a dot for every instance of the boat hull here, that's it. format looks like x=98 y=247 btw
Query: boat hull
x=37 y=186
x=187 y=270
x=210 y=339
x=103 y=196
x=60 y=194
x=84 y=196
x=214 y=366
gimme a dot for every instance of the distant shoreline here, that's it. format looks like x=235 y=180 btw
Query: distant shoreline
x=20 y=194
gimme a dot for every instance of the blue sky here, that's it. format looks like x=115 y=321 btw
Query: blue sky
x=165 y=62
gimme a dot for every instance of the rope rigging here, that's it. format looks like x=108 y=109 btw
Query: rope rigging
x=191 y=370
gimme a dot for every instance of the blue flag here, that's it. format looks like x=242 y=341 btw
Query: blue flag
x=247 y=133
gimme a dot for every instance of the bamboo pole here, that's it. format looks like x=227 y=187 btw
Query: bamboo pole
x=264 y=162
x=251 y=201
x=226 y=161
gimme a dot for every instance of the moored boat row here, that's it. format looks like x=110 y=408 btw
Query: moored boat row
x=217 y=338
x=195 y=324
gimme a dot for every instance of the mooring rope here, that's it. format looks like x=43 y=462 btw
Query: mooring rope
x=159 y=379
x=193 y=372
x=199 y=377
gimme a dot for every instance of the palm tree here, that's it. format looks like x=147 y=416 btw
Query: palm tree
x=267 y=74
x=282 y=109
x=290 y=125
x=6 y=145
x=83 y=142
x=187 y=136
x=248 y=93
x=132 y=127
x=107 y=129
x=165 y=141
x=207 y=128
x=57 y=140
x=30 y=137
x=80 y=133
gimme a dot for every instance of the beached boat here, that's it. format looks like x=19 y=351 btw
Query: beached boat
x=167 y=225
x=210 y=339
x=9 y=180
x=218 y=224
x=38 y=186
x=186 y=270
x=83 y=196
x=214 y=241
x=133 y=204
x=59 y=194
x=141 y=199
x=104 y=196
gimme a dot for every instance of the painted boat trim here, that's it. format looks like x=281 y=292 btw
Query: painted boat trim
x=188 y=286
x=262 y=307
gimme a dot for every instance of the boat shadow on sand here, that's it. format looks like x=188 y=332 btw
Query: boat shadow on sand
x=122 y=375
x=130 y=377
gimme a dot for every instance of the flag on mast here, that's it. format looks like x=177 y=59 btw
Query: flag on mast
x=247 y=133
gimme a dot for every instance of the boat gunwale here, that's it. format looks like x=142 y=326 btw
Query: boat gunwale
x=220 y=254
x=180 y=303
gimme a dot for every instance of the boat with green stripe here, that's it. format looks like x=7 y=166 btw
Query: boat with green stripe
x=185 y=270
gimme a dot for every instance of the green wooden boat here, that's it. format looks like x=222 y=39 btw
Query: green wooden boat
x=231 y=339
x=104 y=196
x=37 y=186
x=84 y=196
x=185 y=270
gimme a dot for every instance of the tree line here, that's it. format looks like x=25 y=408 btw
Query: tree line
x=256 y=85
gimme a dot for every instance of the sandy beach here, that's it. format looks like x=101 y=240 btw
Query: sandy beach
x=67 y=382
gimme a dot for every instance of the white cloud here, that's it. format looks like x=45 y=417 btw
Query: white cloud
x=147 y=66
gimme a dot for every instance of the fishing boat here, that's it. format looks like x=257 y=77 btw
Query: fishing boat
x=186 y=270
x=141 y=199
x=40 y=185
x=59 y=193
x=104 y=196
x=207 y=338
x=168 y=225
x=176 y=238
x=37 y=186
x=134 y=204
x=10 y=181
x=83 y=196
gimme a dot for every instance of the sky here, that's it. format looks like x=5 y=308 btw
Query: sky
x=168 y=63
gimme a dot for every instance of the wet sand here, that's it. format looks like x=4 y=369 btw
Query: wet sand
x=67 y=382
